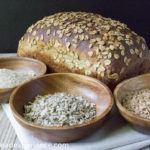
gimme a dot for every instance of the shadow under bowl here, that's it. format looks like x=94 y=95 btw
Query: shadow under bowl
x=133 y=84
x=75 y=84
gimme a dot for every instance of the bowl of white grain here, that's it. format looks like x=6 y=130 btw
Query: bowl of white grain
x=132 y=98
x=16 y=70
x=61 y=107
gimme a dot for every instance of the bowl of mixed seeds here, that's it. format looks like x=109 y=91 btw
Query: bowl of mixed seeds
x=15 y=71
x=61 y=107
x=132 y=98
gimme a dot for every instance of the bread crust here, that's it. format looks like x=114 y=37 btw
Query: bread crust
x=86 y=43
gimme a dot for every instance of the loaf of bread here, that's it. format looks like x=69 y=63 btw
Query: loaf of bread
x=88 y=44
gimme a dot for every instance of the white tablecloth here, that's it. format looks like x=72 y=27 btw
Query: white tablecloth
x=115 y=134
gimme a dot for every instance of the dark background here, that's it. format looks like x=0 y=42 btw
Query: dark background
x=17 y=15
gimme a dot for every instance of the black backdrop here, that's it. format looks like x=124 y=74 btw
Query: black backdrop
x=17 y=15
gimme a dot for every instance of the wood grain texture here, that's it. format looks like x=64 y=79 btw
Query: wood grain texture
x=3 y=116
x=137 y=83
x=19 y=64
x=77 y=85
x=14 y=139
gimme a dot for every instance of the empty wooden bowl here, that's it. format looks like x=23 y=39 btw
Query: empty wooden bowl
x=75 y=84
x=125 y=87
x=19 y=64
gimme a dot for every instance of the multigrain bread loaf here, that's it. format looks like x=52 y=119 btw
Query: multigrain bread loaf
x=87 y=43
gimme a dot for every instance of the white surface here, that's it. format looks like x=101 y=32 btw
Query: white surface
x=7 y=55
x=115 y=134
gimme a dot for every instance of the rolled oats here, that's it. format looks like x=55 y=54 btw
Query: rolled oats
x=59 y=109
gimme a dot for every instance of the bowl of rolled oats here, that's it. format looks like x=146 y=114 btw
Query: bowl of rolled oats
x=61 y=107
x=132 y=98
x=15 y=71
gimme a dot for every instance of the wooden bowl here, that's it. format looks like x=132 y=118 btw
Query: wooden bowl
x=75 y=84
x=19 y=64
x=137 y=83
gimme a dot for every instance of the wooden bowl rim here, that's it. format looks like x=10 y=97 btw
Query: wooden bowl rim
x=20 y=118
x=26 y=59
x=121 y=107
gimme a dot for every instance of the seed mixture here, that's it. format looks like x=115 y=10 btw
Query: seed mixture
x=10 y=78
x=138 y=102
x=59 y=109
